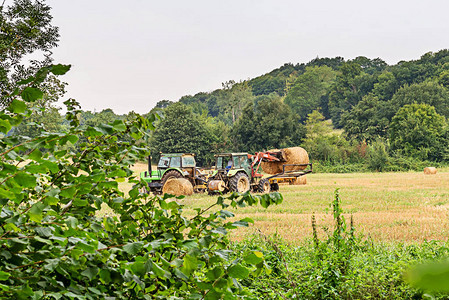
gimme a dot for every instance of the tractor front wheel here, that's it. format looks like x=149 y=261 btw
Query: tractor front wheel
x=264 y=186
x=239 y=183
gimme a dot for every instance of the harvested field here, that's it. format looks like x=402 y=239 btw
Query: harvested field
x=403 y=206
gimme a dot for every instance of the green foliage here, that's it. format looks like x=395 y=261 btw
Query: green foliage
x=343 y=265
x=25 y=29
x=309 y=90
x=367 y=120
x=428 y=92
x=56 y=244
x=233 y=99
x=416 y=130
x=378 y=158
x=182 y=131
x=267 y=124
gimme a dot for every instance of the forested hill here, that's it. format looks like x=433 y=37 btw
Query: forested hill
x=368 y=99
x=360 y=112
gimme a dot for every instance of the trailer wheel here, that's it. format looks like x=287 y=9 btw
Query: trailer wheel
x=264 y=186
x=239 y=183
x=275 y=187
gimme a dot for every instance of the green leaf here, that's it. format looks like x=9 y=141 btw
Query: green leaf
x=105 y=276
x=159 y=272
x=119 y=125
x=25 y=180
x=30 y=94
x=4 y=276
x=17 y=106
x=215 y=273
x=254 y=258
x=190 y=264
x=60 y=69
x=432 y=276
x=35 y=212
x=36 y=154
x=238 y=271
x=90 y=272
x=133 y=248
x=5 y=125
x=68 y=192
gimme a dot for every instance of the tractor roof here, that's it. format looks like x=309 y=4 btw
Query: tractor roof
x=231 y=154
x=176 y=154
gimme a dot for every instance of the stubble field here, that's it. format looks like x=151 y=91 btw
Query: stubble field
x=400 y=206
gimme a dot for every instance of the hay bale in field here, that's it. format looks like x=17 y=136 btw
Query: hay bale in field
x=430 y=170
x=178 y=187
x=301 y=180
x=292 y=156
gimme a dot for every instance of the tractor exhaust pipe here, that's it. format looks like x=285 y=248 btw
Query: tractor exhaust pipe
x=149 y=165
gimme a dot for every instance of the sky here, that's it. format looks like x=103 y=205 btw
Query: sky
x=128 y=55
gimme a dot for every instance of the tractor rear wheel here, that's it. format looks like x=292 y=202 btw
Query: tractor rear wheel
x=239 y=183
x=170 y=174
x=264 y=186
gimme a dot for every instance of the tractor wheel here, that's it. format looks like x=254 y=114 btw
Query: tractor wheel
x=170 y=174
x=239 y=183
x=264 y=186
x=275 y=187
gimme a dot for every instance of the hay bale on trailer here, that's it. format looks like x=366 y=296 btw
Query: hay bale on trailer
x=430 y=170
x=178 y=187
x=291 y=156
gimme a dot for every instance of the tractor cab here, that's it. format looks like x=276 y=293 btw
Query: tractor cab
x=173 y=165
x=176 y=160
x=232 y=162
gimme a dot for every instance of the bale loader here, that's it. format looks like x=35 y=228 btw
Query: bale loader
x=238 y=172
x=174 y=165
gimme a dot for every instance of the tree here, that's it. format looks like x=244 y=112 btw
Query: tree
x=416 y=130
x=351 y=85
x=428 y=92
x=234 y=97
x=319 y=141
x=182 y=131
x=309 y=90
x=25 y=29
x=268 y=123
x=367 y=120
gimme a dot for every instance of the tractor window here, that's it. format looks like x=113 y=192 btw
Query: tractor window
x=244 y=162
x=219 y=163
x=188 y=161
x=175 y=162
x=164 y=162
x=236 y=162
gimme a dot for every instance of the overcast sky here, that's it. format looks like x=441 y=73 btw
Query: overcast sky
x=128 y=55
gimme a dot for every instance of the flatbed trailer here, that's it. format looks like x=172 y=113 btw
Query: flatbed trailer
x=288 y=176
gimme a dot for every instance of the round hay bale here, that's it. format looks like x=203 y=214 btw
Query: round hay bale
x=292 y=156
x=430 y=170
x=301 y=180
x=295 y=156
x=271 y=167
x=178 y=187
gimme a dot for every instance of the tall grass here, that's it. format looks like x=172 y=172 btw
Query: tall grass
x=342 y=265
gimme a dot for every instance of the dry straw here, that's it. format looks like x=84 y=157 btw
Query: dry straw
x=178 y=187
x=293 y=156
x=301 y=180
x=430 y=170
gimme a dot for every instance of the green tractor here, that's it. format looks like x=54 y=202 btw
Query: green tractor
x=234 y=172
x=174 y=165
